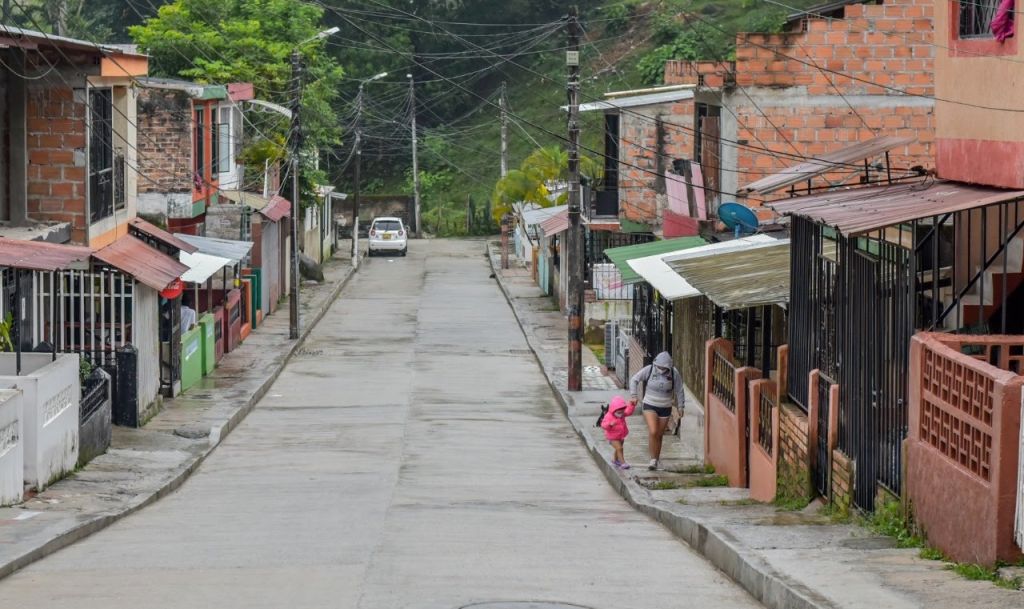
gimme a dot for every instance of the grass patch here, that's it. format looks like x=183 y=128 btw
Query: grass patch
x=697 y=469
x=929 y=553
x=791 y=504
x=598 y=351
x=793 y=491
x=837 y=513
x=890 y=520
x=708 y=481
x=664 y=485
x=739 y=502
x=976 y=572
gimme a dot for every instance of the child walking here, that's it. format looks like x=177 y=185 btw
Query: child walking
x=616 y=429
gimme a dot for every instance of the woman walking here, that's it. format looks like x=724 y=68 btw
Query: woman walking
x=662 y=386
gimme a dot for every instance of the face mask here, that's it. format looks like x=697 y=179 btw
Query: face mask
x=661 y=370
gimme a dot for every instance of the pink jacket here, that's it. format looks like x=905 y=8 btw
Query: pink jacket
x=616 y=428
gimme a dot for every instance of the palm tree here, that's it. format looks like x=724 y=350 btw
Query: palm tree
x=532 y=181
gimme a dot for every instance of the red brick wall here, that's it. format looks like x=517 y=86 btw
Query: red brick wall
x=887 y=44
x=648 y=147
x=56 y=157
x=165 y=149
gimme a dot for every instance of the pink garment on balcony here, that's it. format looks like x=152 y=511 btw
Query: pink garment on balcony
x=1002 y=23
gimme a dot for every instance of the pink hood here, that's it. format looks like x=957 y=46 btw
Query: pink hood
x=614 y=427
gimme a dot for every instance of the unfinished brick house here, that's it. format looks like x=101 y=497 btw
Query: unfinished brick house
x=193 y=138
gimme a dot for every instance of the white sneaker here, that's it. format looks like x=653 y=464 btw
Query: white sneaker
x=653 y=465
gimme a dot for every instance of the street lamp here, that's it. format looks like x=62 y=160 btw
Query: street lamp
x=296 y=130
x=359 y=160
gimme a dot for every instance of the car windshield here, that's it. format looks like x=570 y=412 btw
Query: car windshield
x=387 y=225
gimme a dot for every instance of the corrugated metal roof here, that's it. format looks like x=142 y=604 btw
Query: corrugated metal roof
x=147 y=265
x=749 y=277
x=40 y=255
x=278 y=208
x=235 y=251
x=632 y=101
x=859 y=210
x=824 y=163
x=555 y=224
x=670 y=284
x=201 y=266
x=620 y=256
x=161 y=235
x=539 y=215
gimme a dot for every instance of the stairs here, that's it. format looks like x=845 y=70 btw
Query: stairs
x=986 y=296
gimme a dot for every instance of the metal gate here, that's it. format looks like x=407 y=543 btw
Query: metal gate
x=880 y=307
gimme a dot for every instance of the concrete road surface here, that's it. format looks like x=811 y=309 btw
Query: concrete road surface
x=410 y=457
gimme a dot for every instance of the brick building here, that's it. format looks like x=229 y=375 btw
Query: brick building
x=69 y=124
x=193 y=137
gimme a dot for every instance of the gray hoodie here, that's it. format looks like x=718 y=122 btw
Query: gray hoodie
x=662 y=389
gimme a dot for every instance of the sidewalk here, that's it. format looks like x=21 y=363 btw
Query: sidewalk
x=143 y=465
x=786 y=560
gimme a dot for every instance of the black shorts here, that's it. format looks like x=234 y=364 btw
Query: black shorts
x=663 y=412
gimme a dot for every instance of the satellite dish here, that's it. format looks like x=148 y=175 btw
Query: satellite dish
x=738 y=218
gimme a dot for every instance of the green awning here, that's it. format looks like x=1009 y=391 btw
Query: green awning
x=620 y=256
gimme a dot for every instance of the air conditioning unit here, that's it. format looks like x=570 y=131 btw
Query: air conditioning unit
x=622 y=356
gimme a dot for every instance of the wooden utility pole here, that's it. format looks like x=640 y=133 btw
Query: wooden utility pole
x=574 y=249
x=503 y=103
x=415 y=160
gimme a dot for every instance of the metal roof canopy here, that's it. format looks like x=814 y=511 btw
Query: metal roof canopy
x=278 y=209
x=243 y=197
x=751 y=277
x=860 y=210
x=151 y=230
x=148 y=265
x=201 y=266
x=536 y=216
x=670 y=284
x=40 y=255
x=555 y=224
x=235 y=251
x=673 y=94
x=824 y=163
x=620 y=256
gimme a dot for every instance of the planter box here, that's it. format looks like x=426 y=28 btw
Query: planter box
x=12 y=447
x=191 y=357
x=51 y=394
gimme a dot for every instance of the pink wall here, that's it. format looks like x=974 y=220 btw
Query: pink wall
x=763 y=466
x=962 y=449
x=725 y=442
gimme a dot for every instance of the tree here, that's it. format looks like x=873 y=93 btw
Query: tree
x=533 y=181
x=251 y=41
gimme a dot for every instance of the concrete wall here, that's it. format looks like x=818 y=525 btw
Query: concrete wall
x=978 y=145
x=224 y=221
x=963 y=449
x=146 y=338
x=763 y=464
x=51 y=394
x=12 y=447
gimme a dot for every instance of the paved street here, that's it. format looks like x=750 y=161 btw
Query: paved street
x=411 y=456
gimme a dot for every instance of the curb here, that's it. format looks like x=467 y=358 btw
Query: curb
x=718 y=546
x=217 y=434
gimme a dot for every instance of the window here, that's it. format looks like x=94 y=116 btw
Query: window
x=387 y=225
x=976 y=18
x=200 y=156
x=102 y=178
x=222 y=153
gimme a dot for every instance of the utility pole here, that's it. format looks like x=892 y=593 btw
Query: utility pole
x=415 y=160
x=293 y=304
x=503 y=103
x=574 y=253
x=359 y=166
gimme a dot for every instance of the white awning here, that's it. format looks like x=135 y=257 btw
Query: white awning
x=669 y=283
x=201 y=266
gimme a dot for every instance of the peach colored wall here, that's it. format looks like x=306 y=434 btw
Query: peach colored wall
x=763 y=466
x=725 y=442
x=965 y=505
x=980 y=145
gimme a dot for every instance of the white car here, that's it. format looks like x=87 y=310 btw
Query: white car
x=388 y=235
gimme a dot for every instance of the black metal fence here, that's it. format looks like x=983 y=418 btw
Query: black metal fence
x=95 y=388
x=652 y=319
x=765 y=409
x=596 y=242
x=723 y=380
